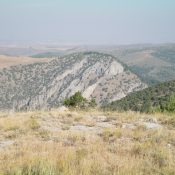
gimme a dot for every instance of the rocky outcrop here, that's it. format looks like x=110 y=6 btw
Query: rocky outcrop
x=46 y=85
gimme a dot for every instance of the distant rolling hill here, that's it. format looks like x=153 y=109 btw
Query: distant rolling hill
x=47 y=55
x=7 y=61
x=152 y=97
x=153 y=63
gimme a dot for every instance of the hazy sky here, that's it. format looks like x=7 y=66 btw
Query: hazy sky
x=87 y=21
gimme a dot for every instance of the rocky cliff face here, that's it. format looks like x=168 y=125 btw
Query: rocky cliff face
x=46 y=85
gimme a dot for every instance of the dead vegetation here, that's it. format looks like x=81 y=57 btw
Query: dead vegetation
x=86 y=143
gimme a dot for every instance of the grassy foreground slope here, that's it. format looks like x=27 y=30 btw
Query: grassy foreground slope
x=61 y=142
x=152 y=97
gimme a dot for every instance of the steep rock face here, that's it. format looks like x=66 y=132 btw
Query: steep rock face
x=45 y=85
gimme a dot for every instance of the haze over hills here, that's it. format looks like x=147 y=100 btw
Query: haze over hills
x=154 y=63
x=45 y=85
x=33 y=49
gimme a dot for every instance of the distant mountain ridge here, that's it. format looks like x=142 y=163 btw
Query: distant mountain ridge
x=154 y=63
x=46 y=85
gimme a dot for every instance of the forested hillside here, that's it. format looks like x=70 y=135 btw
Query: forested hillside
x=159 y=97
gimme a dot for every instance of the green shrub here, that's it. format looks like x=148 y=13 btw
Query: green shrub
x=77 y=100
x=170 y=105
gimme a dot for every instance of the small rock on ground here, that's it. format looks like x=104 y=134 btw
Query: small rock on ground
x=6 y=143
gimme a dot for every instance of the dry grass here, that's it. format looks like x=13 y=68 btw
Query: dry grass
x=44 y=144
x=7 y=61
